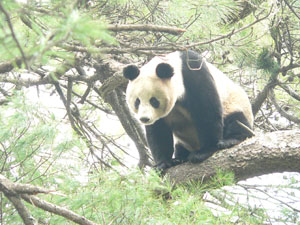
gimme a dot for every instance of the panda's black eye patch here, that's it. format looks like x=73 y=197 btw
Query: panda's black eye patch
x=137 y=103
x=154 y=102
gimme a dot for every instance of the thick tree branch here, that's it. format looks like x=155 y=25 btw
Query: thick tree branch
x=111 y=84
x=116 y=99
x=266 y=153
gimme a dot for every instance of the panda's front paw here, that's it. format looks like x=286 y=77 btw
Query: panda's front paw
x=162 y=166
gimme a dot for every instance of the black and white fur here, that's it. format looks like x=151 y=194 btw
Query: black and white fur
x=188 y=105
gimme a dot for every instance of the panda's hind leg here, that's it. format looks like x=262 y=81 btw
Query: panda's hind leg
x=235 y=130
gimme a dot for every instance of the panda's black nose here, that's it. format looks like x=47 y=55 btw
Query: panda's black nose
x=144 y=119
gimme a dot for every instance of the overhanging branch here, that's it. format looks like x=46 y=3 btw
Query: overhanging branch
x=233 y=32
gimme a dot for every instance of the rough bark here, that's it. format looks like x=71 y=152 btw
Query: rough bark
x=265 y=153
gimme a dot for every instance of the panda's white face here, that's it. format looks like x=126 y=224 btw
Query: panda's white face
x=148 y=100
x=154 y=89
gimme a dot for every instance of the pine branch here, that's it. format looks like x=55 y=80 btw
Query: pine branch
x=292 y=9
x=14 y=35
x=145 y=27
x=61 y=211
x=8 y=188
x=233 y=32
x=15 y=192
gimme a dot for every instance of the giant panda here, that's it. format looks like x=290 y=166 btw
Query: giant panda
x=190 y=109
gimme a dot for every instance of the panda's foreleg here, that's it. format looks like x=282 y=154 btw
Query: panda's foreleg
x=210 y=134
x=209 y=124
x=181 y=153
x=160 y=141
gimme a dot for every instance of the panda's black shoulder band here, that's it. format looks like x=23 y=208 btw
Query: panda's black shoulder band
x=164 y=70
x=131 y=72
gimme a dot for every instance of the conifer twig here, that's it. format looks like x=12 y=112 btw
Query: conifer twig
x=145 y=27
x=14 y=35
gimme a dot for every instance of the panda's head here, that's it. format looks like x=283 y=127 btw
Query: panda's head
x=151 y=93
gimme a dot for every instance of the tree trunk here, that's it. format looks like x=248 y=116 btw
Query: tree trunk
x=265 y=153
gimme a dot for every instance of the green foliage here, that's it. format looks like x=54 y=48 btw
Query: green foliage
x=137 y=198
x=266 y=62
x=222 y=178
x=35 y=149
x=39 y=154
x=32 y=149
x=43 y=31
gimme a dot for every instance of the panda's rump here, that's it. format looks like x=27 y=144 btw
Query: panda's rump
x=233 y=98
x=183 y=128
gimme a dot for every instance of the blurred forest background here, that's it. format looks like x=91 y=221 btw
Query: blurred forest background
x=67 y=133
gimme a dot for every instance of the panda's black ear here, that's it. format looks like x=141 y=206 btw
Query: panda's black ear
x=131 y=72
x=164 y=70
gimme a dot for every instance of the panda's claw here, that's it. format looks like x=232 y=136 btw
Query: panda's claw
x=161 y=167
